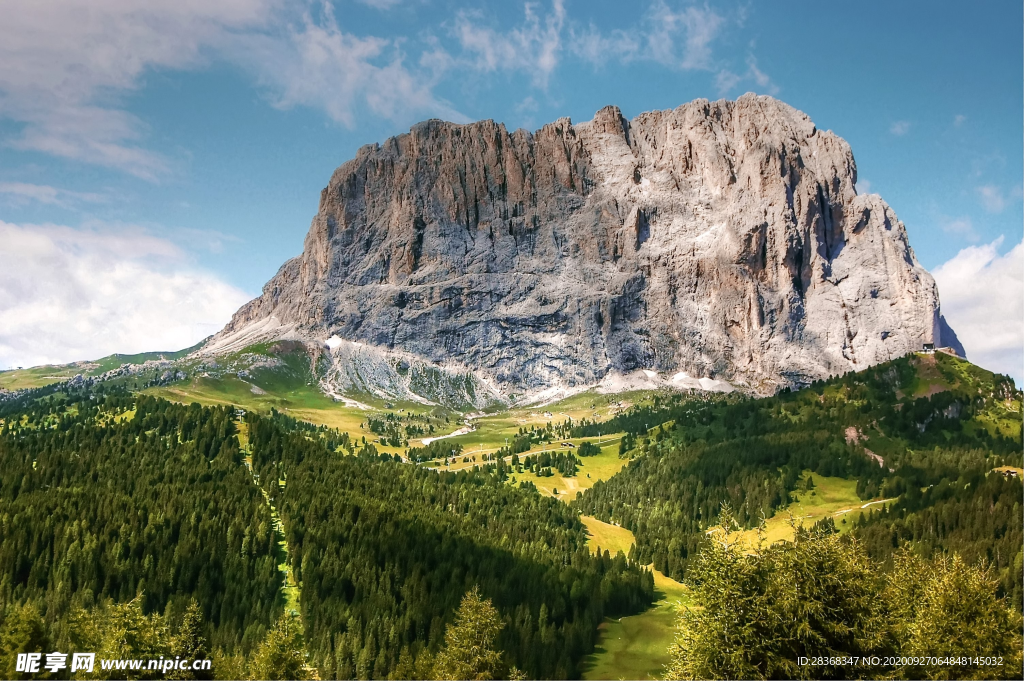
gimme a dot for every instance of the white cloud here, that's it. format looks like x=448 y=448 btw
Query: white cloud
x=863 y=186
x=726 y=80
x=533 y=46
x=593 y=46
x=696 y=26
x=900 y=128
x=64 y=70
x=680 y=39
x=982 y=296
x=21 y=192
x=992 y=198
x=959 y=119
x=381 y=4
x=69 y=294
x=321 y=66
x=962 y=227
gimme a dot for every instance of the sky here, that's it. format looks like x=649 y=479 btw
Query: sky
x=159 y=161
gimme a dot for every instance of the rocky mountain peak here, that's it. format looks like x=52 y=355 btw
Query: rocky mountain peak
x=722 y=241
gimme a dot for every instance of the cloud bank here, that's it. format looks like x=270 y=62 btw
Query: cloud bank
x=982 y=296
x=70 y=294
x=64 y=72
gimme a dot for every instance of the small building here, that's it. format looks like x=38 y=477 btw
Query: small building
x=929 y=347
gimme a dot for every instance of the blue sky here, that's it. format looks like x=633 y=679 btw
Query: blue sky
x=147 y=149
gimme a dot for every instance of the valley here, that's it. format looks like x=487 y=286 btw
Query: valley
x=849 y=454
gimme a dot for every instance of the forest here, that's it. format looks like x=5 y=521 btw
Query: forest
x=385 y=551
x=127 y=508
x=136 y=525
x=937 y=454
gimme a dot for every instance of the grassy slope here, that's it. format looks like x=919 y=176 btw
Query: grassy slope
x=633 y=647
x=834 y=498
x=36 y=377
x=943 y=372
x=300 y=401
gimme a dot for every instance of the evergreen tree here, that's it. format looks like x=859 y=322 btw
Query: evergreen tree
x=281 y=655
x=820 y=596
x=190 y=643
x=127 y=632
x=22 y=631
x=469 y=642
x=948 y=608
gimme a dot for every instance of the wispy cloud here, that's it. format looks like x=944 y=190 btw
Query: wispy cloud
x=992 y=198
x=676 y=38
x=381 y=4
x=23 y=192
x=68 y=294
x=961 y=226
x=64 y=74
x=593 y=46
x=319 y=65
x=726 y=81
x=982 y=295
x=682 y=37
x=959 y=120
x=900 y=128
x=534 y=46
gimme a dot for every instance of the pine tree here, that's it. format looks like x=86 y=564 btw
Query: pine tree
x=22 y=631
x=190 y=643
x=949 y=608
x=281 y=654
x=126 y=632
x=469 y=642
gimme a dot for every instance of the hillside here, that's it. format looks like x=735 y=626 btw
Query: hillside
x=374 y=544
x=381 y=501
x=926 y=431
x=37 y=377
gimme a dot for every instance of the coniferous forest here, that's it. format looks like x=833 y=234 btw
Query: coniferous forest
x=97 y=507
x=120 y=499
x=938 y=453
x=135 y=526
x=385 y=551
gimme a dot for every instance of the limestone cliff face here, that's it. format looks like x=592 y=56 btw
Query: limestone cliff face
x=721 y=239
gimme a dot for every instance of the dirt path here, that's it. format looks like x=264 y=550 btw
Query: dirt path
x=465 y=430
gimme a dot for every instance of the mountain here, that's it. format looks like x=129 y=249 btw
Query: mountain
x=723 y=241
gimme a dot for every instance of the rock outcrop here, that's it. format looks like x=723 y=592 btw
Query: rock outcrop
x=722 y=240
